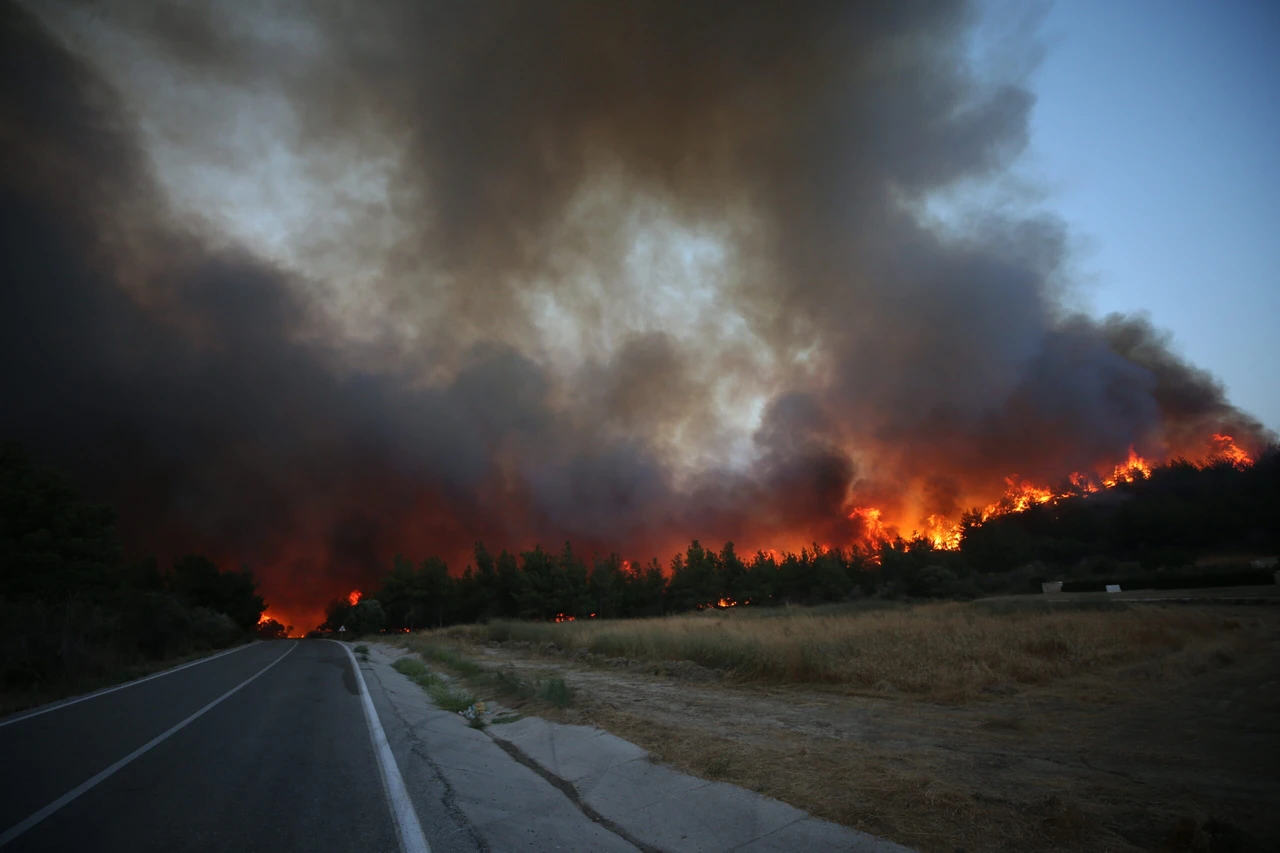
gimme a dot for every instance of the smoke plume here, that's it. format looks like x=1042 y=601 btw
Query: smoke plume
x=308 y=285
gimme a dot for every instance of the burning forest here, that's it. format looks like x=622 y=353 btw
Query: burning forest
x=304 y=288
x=945 y=533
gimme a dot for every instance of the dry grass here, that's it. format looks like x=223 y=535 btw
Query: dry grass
x=916 y=798
x=1109 y=729
x=949 y=651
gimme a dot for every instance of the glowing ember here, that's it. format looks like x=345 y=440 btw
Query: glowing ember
x=726 y=602
x=354 y=598
x=560 y=617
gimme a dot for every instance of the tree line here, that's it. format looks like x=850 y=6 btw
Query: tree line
x=1150 y=531
x=542 y=585
x=73 y=609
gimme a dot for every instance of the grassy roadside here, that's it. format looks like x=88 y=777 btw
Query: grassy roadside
x=448 y=698
x=1012 y=725
x=538 y=693
x=950 y=652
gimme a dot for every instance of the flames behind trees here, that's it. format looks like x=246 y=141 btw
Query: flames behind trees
x=1149 y=530
x=946 y=533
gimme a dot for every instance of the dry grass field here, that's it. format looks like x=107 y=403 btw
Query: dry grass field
x=942 y=652
x=988 y=726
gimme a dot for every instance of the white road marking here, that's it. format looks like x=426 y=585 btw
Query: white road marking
x=68 y=703
x=407 y=826
x=17 y=829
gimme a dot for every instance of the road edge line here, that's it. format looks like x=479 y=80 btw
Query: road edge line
x=66 y=703
x=408 y=828
x=19 y=828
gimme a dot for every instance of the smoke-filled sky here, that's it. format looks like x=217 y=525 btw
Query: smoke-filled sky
x=306 y=284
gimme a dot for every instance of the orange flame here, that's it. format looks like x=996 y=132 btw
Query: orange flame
x=1083 y=483
x=1133 y=468
x=1019 y=495
x=560 y=617
x=873 y=528
x=942 y=532
x=1225 y=447
x=355 y=597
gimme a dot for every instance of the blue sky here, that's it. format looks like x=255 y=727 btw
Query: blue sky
x=1157 y=134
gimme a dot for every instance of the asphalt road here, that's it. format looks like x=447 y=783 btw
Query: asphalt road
x=285 y=763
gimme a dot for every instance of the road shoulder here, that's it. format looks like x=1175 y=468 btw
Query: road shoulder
x=570 y=779
x=491 y=801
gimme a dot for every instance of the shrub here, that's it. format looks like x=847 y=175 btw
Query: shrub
x=409 y=666
x=213 y=630
x=555 y=692
x=158 y=623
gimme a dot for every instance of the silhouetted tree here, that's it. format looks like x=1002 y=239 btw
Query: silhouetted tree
x=607 y=587
x=270 y=629
x=72 y=608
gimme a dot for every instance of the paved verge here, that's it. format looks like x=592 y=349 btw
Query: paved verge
x=493 y=801
x=535 y=785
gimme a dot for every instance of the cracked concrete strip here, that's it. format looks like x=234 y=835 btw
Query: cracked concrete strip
x=613 y=785
x=659 y=807
x=450 y=831
x=504 y=805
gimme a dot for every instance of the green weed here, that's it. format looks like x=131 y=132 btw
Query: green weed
x=450 y=698
x=555 y=692
x=410 y=666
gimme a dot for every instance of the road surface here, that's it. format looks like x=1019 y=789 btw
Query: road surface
x=292 y=745
x=283 y=763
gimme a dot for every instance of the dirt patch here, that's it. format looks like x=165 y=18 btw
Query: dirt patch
x=1148 y=756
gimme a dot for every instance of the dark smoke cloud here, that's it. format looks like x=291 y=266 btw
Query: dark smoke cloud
x=270 y=408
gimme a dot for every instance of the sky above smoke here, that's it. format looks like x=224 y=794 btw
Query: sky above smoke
x=311 y=284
